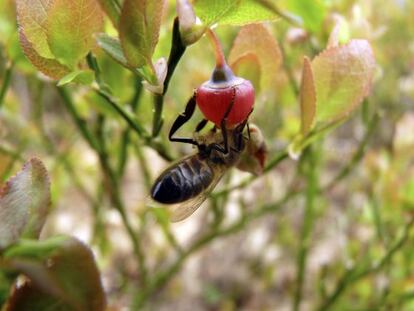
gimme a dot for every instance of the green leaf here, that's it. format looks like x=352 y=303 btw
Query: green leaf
x=32 y=20
x=312 y=12
x=112 y=46
x=70 y=28
x=112 y=10
x=50 y=67
x=307 y=98
x=24 y=203
x=343 y=77
x=139 y=29
x=232 y=12
x=62 y=275
x=85 y=77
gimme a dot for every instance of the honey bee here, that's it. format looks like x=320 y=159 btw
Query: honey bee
x=186 y=184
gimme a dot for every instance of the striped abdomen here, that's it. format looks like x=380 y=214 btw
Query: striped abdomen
x=184 y=180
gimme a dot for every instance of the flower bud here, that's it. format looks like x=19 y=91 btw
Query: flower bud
x=216 y=95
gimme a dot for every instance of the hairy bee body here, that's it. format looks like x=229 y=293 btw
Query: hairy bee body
x=183 y=181
x=185 y=185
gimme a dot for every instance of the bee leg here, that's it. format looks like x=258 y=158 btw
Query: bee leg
x=201 y=125
x=181 y=120
x=223 y=126
x=248 y=131
x=238 y=135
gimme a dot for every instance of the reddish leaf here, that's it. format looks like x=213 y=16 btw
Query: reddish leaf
x=60 y=271
x=307 y=98
x=47 y=66
x=24 y=203
x=343 y=77
x=139 y=30
x=70 y=28
x=32 y=20
x=256 y=39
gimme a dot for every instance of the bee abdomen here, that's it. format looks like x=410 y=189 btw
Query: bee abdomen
x=183 y=181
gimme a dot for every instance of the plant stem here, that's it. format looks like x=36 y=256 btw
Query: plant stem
x=157 y=119
x=357 y=156
x=79 y=122
x=162 y=277
x=308 y=222
x=218 y=50
x=116 y=199
x=176 y=52
x=111 y=178
x=289 y=73
x=123 y=154
x=279 y=157
x=6 y=81
x=355 y=273
x=272 y=7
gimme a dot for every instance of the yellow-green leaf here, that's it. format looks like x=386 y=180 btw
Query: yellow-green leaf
x=311 y=12
x=232 y=12
x=112 y=47
x=307 y=98
x=24 y=203
x=85 y=77
x=32 y=20
x=343 y=77
x=50 y=67
x=248 y=12
x=70 y=28
x=112 y=10
x=139 y=29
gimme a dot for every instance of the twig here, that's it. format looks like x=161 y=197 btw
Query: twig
x=115 y=196
x=79 y=122
x=279 y=157
x=176 y=52
x=123 y=154
x=162 y=277
x=291 y=78
x=355 y=273
x=6 y=81
x=116 y=200
x=308 y=222
x=288 y=18
x=357 y=156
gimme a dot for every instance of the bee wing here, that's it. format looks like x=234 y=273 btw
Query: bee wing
x=181 y=211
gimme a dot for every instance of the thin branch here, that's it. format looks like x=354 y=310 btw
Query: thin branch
x=162 y=277
x=123 y=154
x=176 y=52
x=308 y=222
x=110 y=175
x=79 y=122
x=116 y=199
x=6 y=81
x=357 y=156
x=279 y=157
x=354 y=274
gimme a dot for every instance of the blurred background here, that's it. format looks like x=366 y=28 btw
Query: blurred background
x=256 y=243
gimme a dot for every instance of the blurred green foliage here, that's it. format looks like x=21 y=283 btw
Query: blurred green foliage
x=331 y=230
